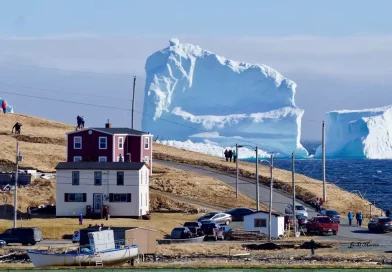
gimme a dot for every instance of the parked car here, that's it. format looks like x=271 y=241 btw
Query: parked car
x=181 y=233
x=207 y=221
x=322 y=224
x=48 y=210
x=288 y=219
x=299 y=209
x=334 y=215
x=2 y=243
x=76 y=237
x=227 y=232
x=24 y=236
x=212 y=230
x=194 y=227
x=218 y=217
x=380 y=224
x=237 y=214
x=302 y=220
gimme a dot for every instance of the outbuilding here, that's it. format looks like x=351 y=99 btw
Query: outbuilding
x=258 y=221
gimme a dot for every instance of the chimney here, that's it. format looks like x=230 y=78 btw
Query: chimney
x=108 y=125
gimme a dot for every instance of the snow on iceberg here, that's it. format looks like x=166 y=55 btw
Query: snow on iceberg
x=191 y=91
x=9 y=108
x=358 y=134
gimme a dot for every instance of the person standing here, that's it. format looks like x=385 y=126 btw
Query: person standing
x=226 y=155
x=81 y=219
x=357 y=218
x=82 y=119
x=318 y=205
x=360 y=218
x=312 y=245
x=350 y=217
x=28 y=213
x=79 y=122
x=235 y=156
x=4 y=106
x=230 y=155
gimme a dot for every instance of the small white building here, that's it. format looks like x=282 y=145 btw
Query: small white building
x=259 y=222
x=122 y=186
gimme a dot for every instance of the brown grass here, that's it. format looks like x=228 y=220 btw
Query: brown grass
x=307 y=189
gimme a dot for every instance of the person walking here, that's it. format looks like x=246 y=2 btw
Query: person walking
x=4 y=106
x=230 y=155
x=226 y=155
x=16 y=127
x=312 y=245
x=235 y=156
x=360 y=218
x=28 y=213
x=357 y=218
x=350 y=217
x=81 y=219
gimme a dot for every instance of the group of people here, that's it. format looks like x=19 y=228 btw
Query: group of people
x=80 y=122
x=4 y=106
x=230 y=155
x=358 y=217
x=319 y=204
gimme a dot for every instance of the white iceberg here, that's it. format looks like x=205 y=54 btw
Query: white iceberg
x=359 y=134
x=192 y=91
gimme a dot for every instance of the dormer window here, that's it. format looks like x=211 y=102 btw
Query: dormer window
x=120 y=142
x=77 y=142
x=146 y=142
x=103 y=142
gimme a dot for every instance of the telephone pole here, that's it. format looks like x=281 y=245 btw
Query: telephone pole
x=16 y=186
x=133 y=99
x=323 y=162
x=270 y=200
x=236 y=167
x=293 y=178
x=257 y=181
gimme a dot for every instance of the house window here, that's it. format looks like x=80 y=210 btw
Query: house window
x=103 y=142
x=120 y=142
x=97 y=178
x=102 y=159
x=120 y=178
x=77 y=158
x=75 y=197
x=75 y=177
x=146 y=142
x=77 y=142
x=260 y=223
x=120 y=197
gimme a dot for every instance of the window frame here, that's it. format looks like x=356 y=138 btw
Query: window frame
x=260 y=225
x=122 y=143
x=106 y=142
x=123 y=175
x=148 y=142
x=76 y=199
x=74 y=142
x=95 y=178
x=102 y=157
x=74 y=178
x=79 y=157
x=128 y=197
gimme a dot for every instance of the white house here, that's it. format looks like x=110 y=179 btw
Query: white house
x=258 y=221
x=122 y=186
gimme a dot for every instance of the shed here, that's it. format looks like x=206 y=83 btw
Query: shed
x=144 y=238
x=258 y=221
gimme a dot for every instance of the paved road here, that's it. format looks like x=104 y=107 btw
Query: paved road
x=280 y=201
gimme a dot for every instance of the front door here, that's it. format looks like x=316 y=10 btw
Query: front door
x=98 y=198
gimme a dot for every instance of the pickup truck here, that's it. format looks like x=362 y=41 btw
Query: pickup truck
x=322 y=224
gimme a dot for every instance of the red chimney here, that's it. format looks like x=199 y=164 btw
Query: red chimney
x=108 y=125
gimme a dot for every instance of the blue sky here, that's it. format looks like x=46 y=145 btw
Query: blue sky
x=338 y=52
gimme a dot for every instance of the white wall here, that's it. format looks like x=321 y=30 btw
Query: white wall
x=132 y=185
x=277 y=224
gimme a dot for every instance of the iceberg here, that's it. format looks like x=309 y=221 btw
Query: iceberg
x=358 y=134
x=193 y=93
x=9 y=108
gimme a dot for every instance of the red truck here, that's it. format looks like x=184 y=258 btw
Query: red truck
x=322 y=224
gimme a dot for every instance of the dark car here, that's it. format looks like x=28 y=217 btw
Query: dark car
x=380 y=224
x=24 y=236
x=334 y=215
x=301 y=219
x=181 y=233
x=194 y=227
x=48 y=210
x=218 y=217
x=237 y=214
x=212 y=230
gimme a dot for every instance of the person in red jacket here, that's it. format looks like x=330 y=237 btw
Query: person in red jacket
x=4 y=106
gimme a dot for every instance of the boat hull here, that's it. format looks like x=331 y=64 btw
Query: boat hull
x=108 y=258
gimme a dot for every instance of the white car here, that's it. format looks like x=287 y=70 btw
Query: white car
x=76 y=237
x=299 y=209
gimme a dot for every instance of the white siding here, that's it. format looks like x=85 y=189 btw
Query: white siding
x=277 y=227
x=132 y=185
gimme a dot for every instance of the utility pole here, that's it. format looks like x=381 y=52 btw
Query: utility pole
x=236 y=167
x=257 y=180
x=293 y=178
x=133 y=99
x=270 y=200
x=323 y=162
x=16 y=186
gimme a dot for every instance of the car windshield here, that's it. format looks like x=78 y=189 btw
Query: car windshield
x=210 y=214
x=331 y=213
x=179 y=229
x=300 y=208
x=191 y=224
x=324 y=220
x=232 y=210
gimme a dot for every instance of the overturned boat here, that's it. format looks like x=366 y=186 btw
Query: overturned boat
x=102 y=251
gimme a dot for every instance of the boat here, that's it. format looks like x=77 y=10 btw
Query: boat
x=102 y=251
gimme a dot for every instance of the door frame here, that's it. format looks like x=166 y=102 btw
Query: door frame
x=94 y=211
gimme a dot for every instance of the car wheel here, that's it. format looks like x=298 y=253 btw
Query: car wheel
x=33 y=243
x=334 y=232
x=25 y=243
x=227 y=222
x=320 y=232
